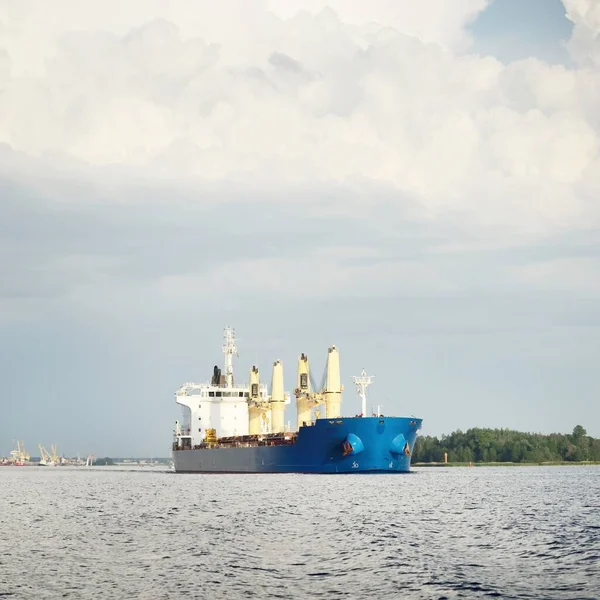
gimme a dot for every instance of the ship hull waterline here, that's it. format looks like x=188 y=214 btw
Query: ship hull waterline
x=330 y=446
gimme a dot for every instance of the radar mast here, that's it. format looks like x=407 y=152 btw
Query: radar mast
x=362 y=382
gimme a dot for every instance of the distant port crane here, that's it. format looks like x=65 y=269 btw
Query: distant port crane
x=55 y=458
x=45 y=459
x=20 y=456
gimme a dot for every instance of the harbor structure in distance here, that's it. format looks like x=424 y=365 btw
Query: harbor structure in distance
x=19 y=457
x=240 y=428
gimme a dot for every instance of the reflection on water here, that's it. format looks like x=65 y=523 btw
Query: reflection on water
x=518 y=532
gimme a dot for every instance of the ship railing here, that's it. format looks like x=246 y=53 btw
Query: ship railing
x=182 y=433
x=187 y=389
x=222 y=386
x=246 y=441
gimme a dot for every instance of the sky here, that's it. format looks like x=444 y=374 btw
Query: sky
x=416 y=183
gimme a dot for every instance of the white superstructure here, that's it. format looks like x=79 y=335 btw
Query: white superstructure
x=221 y=404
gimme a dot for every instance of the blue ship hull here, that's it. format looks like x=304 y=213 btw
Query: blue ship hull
x=344 y=445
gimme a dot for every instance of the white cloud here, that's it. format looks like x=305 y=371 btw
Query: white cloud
x=246 y=29
x=380 y=96
x=584 y=44
x=431 y=21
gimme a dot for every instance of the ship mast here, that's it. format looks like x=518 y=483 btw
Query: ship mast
x=362 y=383
x=229 y=349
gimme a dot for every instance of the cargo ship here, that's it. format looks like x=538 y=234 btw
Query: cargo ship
x=240 y=428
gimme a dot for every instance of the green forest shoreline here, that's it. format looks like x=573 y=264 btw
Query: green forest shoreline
x=506 y=447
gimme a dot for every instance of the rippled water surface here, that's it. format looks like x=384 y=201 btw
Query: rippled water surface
x=105 y=532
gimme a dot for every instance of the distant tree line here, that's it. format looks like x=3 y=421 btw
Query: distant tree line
x=506 y=445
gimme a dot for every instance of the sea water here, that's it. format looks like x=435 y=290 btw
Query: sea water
x=111 y=532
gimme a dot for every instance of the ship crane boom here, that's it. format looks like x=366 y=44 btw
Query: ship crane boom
x=229 y=349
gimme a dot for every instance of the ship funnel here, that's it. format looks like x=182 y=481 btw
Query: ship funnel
x=254 y=410
x=277 y=398
x=333 y=387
